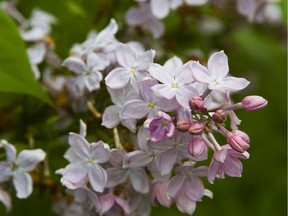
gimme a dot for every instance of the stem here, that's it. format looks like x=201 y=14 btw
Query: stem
x=117 y=139
x=93 y=109
x=207 y=92
x=214 y=141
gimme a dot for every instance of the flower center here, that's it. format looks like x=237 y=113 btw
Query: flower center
x=151 y=105
x=133 y=70
x=90 y=160
x=164 y=123
x=174 y=86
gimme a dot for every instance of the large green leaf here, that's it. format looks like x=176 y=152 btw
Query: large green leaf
x=15 y=71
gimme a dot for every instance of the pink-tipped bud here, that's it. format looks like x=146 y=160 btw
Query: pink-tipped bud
x=196 y=103
x=197 y=147
x=196 y=128
x=237 y=142
x=253 y=103
x=242 y=134
x=219 y=116
x=183 y=125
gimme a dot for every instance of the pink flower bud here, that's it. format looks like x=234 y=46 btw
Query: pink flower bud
x=253 y=103
x=183 y=125
x=237 y=142
x=196 y=103
x=196 y=128
x=242 y=134
x=219 y=116
x=197 y=147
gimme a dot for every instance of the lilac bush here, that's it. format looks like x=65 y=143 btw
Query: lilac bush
x=172 y=112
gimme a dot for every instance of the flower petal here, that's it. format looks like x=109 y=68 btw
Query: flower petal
x=159 y=8
x=97 y=177
x=166 y=160
x=139 y=180
x=164 y=90
x=116 y=176
x=200 y=73
x=137 y=158
x=218 y=65
x=134 y=109
x=22 y=182
x=28 y=159
x=5 y=199
x=160 y=73
x=10 y=151
x=233 y=83
x=100 y=152
x=80 y=145
x=110 y=116
x=126 y=56
x=174 y=185
x=118 y=78
x=75 y=64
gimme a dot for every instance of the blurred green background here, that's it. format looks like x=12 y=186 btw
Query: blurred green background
x=256 y=52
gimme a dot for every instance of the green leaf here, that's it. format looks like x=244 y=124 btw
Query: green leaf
x=16 y=75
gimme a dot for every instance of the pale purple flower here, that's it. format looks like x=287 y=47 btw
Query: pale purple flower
x=161 y=8
x=133 y=67
x=171 y=150
x=196 y=2
x=111 y=116
x=148 y=103
x=260 y=10
x=18 y=166
x=40 y=26
x=160 y=126
x=119 y=173
x=85 y=167
x=215 y=75
x=113 y=206
x=186 y=188
x=88 y=72
x=226 y=161
x=142 y=16
x=176 y=80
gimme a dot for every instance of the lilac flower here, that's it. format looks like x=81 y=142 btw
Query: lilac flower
x=259 y=10
x=226 y=161
x=88 y=73
x=101 y=44
x=142 y=16
x=85 y=167
x=176 y=80
x=216 y=74
x=119 y=173
x=147 y=104
x=113 y=205
x=40 y=26
x=160 y=126
x=18 y=167
x=186 y=188
x=111 y=116
x=133 y=67
x=160 y=8
x=171 y=150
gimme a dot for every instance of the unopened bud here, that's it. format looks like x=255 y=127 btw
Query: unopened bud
x=219 y=116
x=183 y=125
x=242 y=134
x=196 y=103
x=196 y=128
x=253 y=103
x=237 y=143
x=197 y=147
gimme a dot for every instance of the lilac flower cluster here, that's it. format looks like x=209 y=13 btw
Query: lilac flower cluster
x=174 y=110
